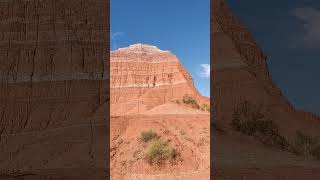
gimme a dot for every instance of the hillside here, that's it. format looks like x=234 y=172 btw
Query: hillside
x=151 y=90
x=241 y=75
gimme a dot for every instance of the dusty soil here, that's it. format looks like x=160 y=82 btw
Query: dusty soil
x=189 y=133
x=74 y=151
x=237 y=156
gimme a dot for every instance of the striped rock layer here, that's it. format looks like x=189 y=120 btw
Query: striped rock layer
x=53 y=86
x=143 y=76
x=240 y=73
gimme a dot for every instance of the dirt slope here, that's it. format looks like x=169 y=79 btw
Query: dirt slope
x=241 y=157
x=188 y=133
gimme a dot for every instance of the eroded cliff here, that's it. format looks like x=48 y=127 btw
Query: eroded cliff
x=53 y=85
x=241 y=73
x=143 y=76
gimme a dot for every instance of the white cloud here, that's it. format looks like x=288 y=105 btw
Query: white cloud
x=114 y=36
x=311 y=23
x=205 y=70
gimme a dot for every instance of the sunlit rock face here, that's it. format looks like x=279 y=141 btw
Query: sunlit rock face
x=240 y=73
x=143 y=76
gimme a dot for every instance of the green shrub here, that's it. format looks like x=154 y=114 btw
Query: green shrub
x=254 y=121
x=189 y=100
x=149 y=135
x=159 y=151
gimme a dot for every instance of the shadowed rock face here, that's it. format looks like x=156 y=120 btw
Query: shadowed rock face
x=241 y=73
x=143 y=76
x=53 y=87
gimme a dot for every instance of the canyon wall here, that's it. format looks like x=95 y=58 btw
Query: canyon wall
x=53 y=84
x=240 y=73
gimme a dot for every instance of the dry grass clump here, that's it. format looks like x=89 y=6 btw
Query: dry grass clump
x=149 y=135
x=305 y=145
x=205 y=107
x=254 y=121
x=159 y=151
x=189 y=100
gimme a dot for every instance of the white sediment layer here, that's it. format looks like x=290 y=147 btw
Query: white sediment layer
x=150 y=85
x=141 y=48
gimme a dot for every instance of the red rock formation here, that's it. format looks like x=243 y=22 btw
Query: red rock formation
x=143 y=76
x=143 y=82
x=241 y=73
x=53 y=88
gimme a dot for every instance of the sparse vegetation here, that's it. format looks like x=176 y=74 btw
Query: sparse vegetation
x=305 y=145
x=159 y=151
x=182 y=133
x=205 y=107
x=254 y=121
x=149 y=135
x=189 y=100
x=316 y=152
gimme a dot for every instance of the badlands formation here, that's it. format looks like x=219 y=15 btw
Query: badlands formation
x=240 y=73
x=147 y=88
x=53 y=91
x=143 y=76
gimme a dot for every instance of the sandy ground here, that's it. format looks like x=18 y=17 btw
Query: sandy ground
x=188 y=133
x=72 y=152
x=241 y=157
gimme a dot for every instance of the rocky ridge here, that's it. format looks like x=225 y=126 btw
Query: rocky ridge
x=143 y=76
x=241 y=73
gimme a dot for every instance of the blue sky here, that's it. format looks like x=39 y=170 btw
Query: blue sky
x=288 y=31
x=180 y=26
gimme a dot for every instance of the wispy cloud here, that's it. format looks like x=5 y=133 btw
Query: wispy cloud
x=204 y=70
x=114 y=38
x=310 y=18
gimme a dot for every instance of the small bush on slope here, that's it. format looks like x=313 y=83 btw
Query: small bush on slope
x=252 y=120
x=306 y=145
x=159 y=151
x=205 y=107
x=316 y=152
x=189 y=100
x=149 y=135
